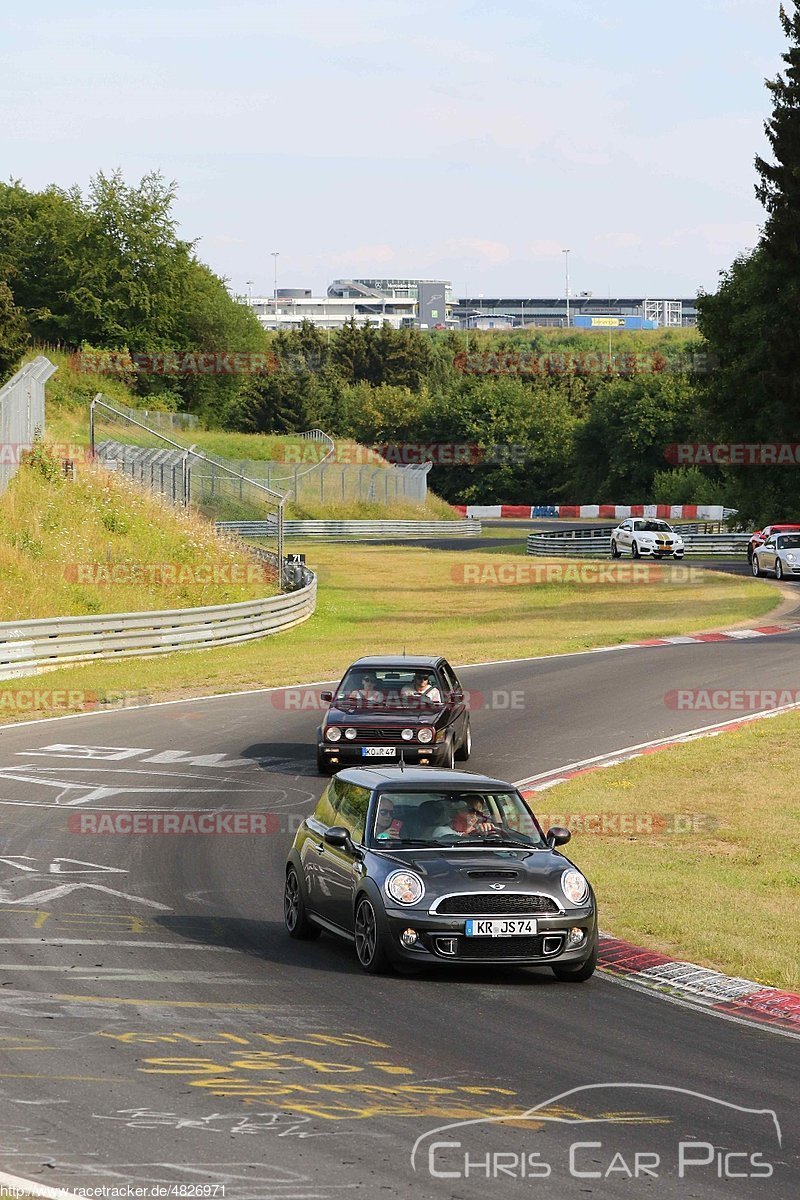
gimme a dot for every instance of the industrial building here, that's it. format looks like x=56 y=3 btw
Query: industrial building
x=430 y=304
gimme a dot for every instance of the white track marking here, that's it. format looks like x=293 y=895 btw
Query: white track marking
x=625 y=752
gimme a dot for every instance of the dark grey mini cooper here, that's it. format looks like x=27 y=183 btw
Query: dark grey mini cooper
x=435 y=866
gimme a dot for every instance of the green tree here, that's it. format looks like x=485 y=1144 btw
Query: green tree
x=751 y=322
x=14 y=335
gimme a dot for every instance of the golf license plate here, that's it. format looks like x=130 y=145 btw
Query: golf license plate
x=378 y=751
x=507 y=927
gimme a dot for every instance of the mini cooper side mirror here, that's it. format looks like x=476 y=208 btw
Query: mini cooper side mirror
x=557 y=836
x=339 y=837
x=328 y=696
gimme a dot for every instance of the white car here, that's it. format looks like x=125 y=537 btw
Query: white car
x=779 y=554
x=645 y=537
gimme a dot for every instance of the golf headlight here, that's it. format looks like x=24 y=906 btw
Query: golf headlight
x=407 y=735
x=405 y=887
x=350 y=733
x=574 y=886
x=333 y=733
x=425 y=734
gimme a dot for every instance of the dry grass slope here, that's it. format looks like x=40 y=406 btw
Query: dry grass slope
x=55 y=532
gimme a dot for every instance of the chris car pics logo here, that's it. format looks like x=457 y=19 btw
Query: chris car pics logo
x=593 y=1135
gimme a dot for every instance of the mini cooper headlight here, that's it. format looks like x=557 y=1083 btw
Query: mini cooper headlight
x=333 y=733
x=425 y=734
x=405 y=887
x=350 y=733
x=407 y=735
x=574 y=886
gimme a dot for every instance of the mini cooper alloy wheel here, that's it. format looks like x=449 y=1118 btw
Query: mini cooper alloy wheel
x=371 y=954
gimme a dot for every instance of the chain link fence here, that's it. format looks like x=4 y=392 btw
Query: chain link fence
x=22 y=414
x=121 y=441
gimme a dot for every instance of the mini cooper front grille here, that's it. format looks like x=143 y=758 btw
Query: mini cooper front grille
x=495 y=904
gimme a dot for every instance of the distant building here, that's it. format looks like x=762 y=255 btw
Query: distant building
x=490 y=313
x=429 y=304
x=292 y=306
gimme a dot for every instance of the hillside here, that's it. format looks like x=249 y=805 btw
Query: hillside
x=277 y=460
x=97 y=544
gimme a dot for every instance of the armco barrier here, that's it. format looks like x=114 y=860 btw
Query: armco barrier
x=374 y=530
x=596 y=543
x=29 y=647
x=607 y=512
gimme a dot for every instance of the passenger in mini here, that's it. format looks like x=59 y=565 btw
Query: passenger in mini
x=386 y=826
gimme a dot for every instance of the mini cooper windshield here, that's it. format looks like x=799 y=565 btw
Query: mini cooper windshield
x=446 y=818
x=412 y=689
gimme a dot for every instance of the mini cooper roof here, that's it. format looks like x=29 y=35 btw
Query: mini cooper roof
x=420 y=779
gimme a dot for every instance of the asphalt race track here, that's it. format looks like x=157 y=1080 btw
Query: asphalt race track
x=158 y=1028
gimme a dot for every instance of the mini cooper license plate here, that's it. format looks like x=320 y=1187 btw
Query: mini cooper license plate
x=378 y=751
x=508 y=927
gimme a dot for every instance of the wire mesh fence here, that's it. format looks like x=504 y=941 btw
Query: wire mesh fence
x=333 y=482
x=21 y=414
x=123 y=442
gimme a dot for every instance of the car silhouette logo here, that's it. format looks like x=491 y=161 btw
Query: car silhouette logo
x=497 y=887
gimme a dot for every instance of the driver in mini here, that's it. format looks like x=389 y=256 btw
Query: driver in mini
x=473 y=818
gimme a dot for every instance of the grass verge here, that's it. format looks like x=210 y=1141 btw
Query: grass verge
x=726 y=896
x=97 y=544
x=376 y=599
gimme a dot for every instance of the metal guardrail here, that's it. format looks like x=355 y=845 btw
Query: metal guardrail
x=29 y=647
x=21 y=414
x=557 y=545
x=469 y=527
x=594 y=531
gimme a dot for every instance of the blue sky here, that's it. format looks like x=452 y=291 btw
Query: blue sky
x=399 y=137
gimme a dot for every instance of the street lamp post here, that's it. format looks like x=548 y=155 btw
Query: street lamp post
x=249 y=283
x=566 y=272
x=275 y=254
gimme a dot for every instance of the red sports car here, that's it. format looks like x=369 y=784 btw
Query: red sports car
x=761 y=535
